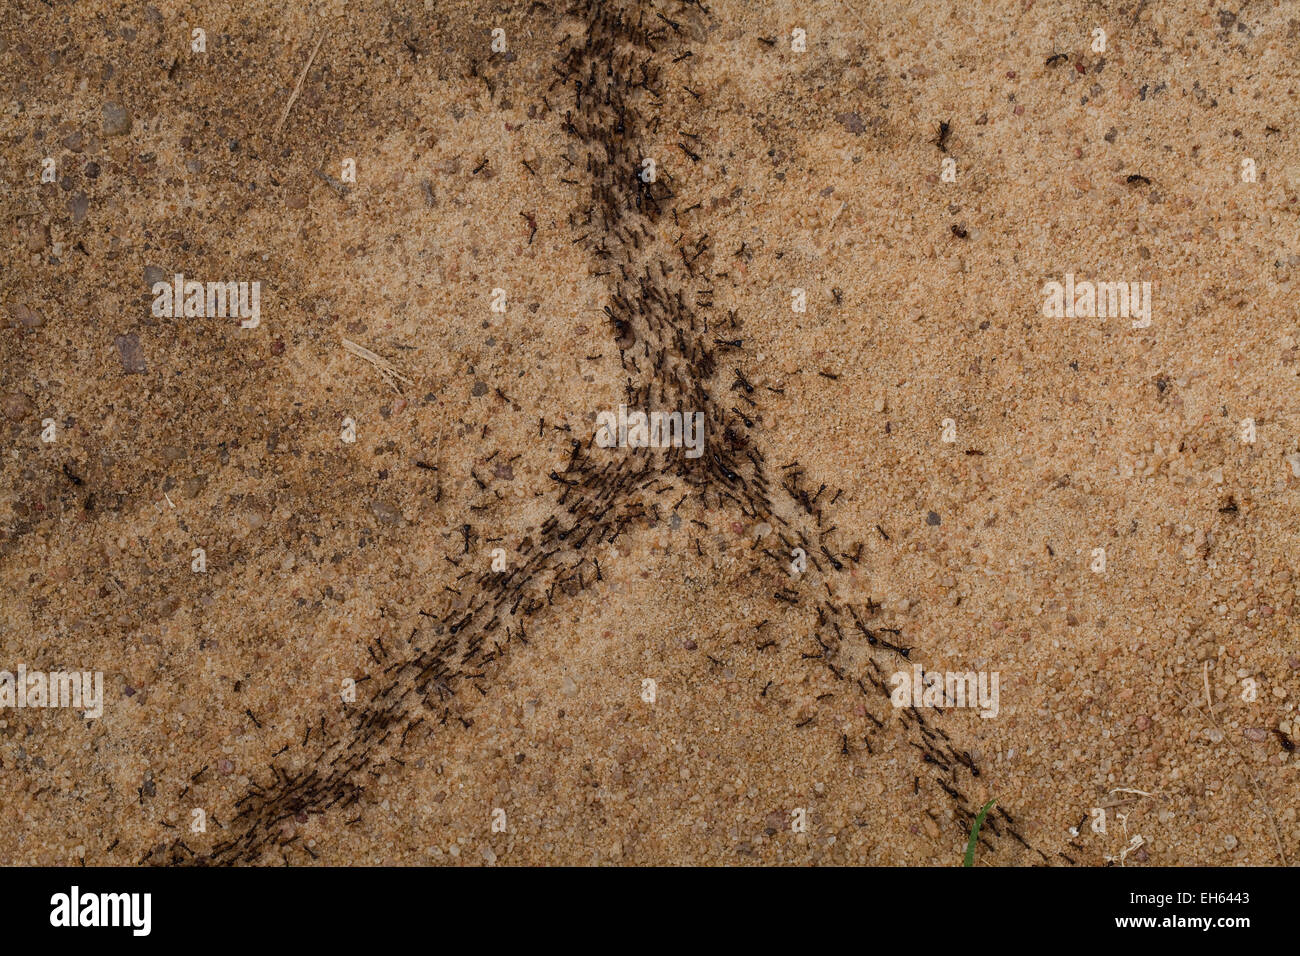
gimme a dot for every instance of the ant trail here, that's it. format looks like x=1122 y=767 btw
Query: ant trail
x=611 y=72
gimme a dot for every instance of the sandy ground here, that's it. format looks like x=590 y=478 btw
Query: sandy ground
x=768 y=740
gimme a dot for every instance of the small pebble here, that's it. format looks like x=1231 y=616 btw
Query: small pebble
x=17 y=406
x=851 y=122
x=385 y=512
x=116 y=119
x=130 y=354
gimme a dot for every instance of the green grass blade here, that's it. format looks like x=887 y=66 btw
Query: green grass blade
x=975 y=832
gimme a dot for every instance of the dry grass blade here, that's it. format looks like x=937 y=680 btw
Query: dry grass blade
x=391 y=375
x=298 y=86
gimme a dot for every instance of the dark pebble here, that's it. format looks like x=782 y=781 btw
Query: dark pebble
x=851 y=122
x=131 y=354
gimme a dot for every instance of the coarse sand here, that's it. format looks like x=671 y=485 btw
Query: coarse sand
x=1099 y=511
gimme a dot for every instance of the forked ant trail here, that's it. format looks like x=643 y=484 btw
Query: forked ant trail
x=667 y=353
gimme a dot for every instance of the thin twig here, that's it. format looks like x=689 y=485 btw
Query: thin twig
x=298 y=86
x=1141 y=793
